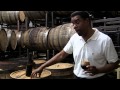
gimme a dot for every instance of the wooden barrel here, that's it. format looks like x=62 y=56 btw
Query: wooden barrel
x=38 y=62
x=21 y=16
x=12 y=40
x=6 y=67
x=11 y=17
x=36 y=38
x=0 y=16
x=3 y=40
x=4 y=74
x=22 y=40
x=59 y=36
x=26 y=38
x=5 y=17
x=19 y=36
x=61 y=71
x=63 y=12
x=41 y=39
x=35 y=14
x=21 y=74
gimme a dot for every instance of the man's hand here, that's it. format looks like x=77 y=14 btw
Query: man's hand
x=35 y=72
x=92 y=70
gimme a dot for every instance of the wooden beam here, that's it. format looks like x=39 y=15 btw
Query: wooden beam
x=109 y=27
x=113 y=22
x=106 y=20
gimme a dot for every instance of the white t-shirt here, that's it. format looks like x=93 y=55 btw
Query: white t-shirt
x=98 y=50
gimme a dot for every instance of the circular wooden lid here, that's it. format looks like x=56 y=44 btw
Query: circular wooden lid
x=60 y=66
x=3 y=40
x=38 y=61
x=21 y=16
x=0 y=16
x=21 y=40
x=13 y=40
x=21 y=74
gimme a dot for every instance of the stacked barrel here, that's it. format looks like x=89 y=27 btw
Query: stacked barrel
x=41 y=14
x=42 y=38
x=8 y=37
x=39 y=38
x=11 y=17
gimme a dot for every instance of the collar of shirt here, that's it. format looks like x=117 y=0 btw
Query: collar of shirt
x=94 y=36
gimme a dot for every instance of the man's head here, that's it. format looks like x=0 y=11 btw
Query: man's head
x=81 y=21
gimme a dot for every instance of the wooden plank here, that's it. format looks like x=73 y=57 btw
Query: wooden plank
x=113 y=22
x=106 y=20
x=113 y=32
x=113 y=27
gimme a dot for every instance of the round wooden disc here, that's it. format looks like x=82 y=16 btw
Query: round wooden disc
x=20 y=74
x=13 y=40
x=38 y=61
x=60 y=66
x=61 y=69
x=3 y=40
x=21 y=16
x=1 y=17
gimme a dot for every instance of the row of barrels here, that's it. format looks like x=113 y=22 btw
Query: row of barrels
x=11 y=17
x=42 y=14
x=10 y=39
x=42 y=38
x=39 y=38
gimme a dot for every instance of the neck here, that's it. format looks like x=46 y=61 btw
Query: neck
x=88 y=34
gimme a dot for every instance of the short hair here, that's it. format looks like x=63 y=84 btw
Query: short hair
x=82 y=14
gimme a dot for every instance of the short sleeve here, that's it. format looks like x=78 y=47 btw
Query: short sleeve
x=69 y=47
x=110 y=52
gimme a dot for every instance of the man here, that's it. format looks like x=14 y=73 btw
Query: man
x=86 y=44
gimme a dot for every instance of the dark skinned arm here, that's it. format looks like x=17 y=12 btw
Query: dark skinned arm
x=106 y=69
x=57 y=58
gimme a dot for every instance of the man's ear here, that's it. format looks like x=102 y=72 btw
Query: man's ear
x=87 y=20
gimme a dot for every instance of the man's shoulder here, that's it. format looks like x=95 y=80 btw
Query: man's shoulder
x=103 y=36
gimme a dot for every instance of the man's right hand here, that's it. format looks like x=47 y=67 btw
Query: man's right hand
x=35 y=72
x=57 y=58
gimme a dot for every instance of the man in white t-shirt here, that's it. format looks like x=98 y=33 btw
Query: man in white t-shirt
x=86 y=44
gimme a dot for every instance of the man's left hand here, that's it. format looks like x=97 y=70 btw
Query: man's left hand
x=92 y=70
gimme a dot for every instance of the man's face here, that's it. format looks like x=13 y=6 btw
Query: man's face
x=80 y=24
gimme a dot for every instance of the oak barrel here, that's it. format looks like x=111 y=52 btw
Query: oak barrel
x=38 y=62
x=59 y=36
x=3 y=40
x=12 y=39
x=36 y=38
x=62 y=13
x=21 y=74
x=19 y=36
x=61 y=71
x=11 y=17
x=35 y=14
x=6 y=67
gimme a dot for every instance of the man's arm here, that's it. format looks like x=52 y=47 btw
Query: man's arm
x=106 y=69
x=109 y=67
x=57 y=58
